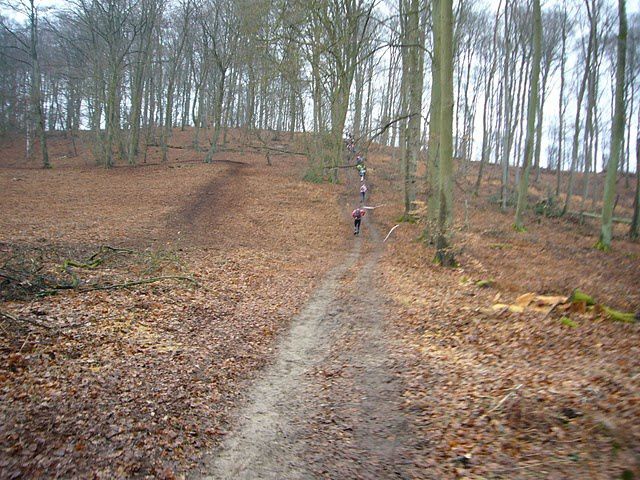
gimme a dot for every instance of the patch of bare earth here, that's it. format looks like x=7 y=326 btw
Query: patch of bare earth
x=330 y=405
x=138 y=382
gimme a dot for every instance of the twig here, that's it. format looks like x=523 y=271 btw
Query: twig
x=504 y=399
x=103 y=248
x=553 y=307
x=373 y=208
x=25 y=342
x=340 y=166
x=390 y=232
x=95 y=260
x=24 y=320
x=89 y=288
x=7 y=276
x=535 y=464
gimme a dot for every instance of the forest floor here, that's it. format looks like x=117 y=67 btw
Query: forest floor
x=272 y=343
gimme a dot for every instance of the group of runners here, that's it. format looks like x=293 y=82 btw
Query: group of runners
x=358 y=212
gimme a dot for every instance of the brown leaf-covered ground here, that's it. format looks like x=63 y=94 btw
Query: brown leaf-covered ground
x=496 y=394
x=137 y=382
x=142 y=381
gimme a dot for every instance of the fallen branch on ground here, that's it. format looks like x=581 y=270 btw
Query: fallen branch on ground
x=553 y=307
x=8 y=277
x=504 y=399
x=23 y=320
x=94 y=260
x=340 y=166
x=390 y=232
x=626 y=221
x=92 y=287
x=104 y=248
x=373 y=208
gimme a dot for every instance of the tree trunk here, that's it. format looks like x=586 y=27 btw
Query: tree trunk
x=217 y=119
x=576 y=132
x=486 y=140
x=506 y=140
x=561 y=108
x=532 y=108
x=358 y=99
x=137 y=89
x=36 y=93
x=617 y=133
x=414 y=104
x=634 y=231
x=543 y=98
x=444 y=251
x=433 y=145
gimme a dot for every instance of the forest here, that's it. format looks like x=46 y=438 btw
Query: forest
x=184 y=292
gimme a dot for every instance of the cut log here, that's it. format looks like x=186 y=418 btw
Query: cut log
x=626 y=221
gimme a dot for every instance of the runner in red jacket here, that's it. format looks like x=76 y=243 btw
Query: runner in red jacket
x=357 y=215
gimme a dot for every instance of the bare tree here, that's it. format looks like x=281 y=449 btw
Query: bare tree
x=413 y=72
x=30 y=45
x=617 y=132
x=531 y=114
x=220 y=25
x=444 y=251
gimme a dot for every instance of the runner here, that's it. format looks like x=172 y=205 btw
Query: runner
x=357 y=215
x=363 y=192
x=361 y=170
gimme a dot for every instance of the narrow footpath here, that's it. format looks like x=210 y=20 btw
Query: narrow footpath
x=329 y=405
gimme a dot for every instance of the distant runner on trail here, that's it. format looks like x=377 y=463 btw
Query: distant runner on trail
x=363 y=192
x=350 y=143
x=361 y=170
x=357 y=215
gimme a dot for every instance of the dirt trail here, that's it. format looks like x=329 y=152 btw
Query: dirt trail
x=283 y=432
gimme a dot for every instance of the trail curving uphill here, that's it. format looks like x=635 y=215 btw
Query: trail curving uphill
x=329 y=406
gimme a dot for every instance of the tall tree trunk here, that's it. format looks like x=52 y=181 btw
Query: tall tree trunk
x=137 y=90
x=217 y=119
x=576 y=132
x=358 y=99
x=532 y=108
x=435 y=123
x=444 y=250
x=561 y=108
x=111 y=113
x=543 y=99
x=486 y=139
x=36 y=91
x=368 y=112
x=318 y=114
x=414 y=104
x=627 y=155
x=589 y=134
x=634 y=231
x=175 y=63
x=617 y=133
x=506 y=140
x=592 y=99
x=518 y=129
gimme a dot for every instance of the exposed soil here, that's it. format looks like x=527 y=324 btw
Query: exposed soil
x=329 y=407
x=266 y=443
